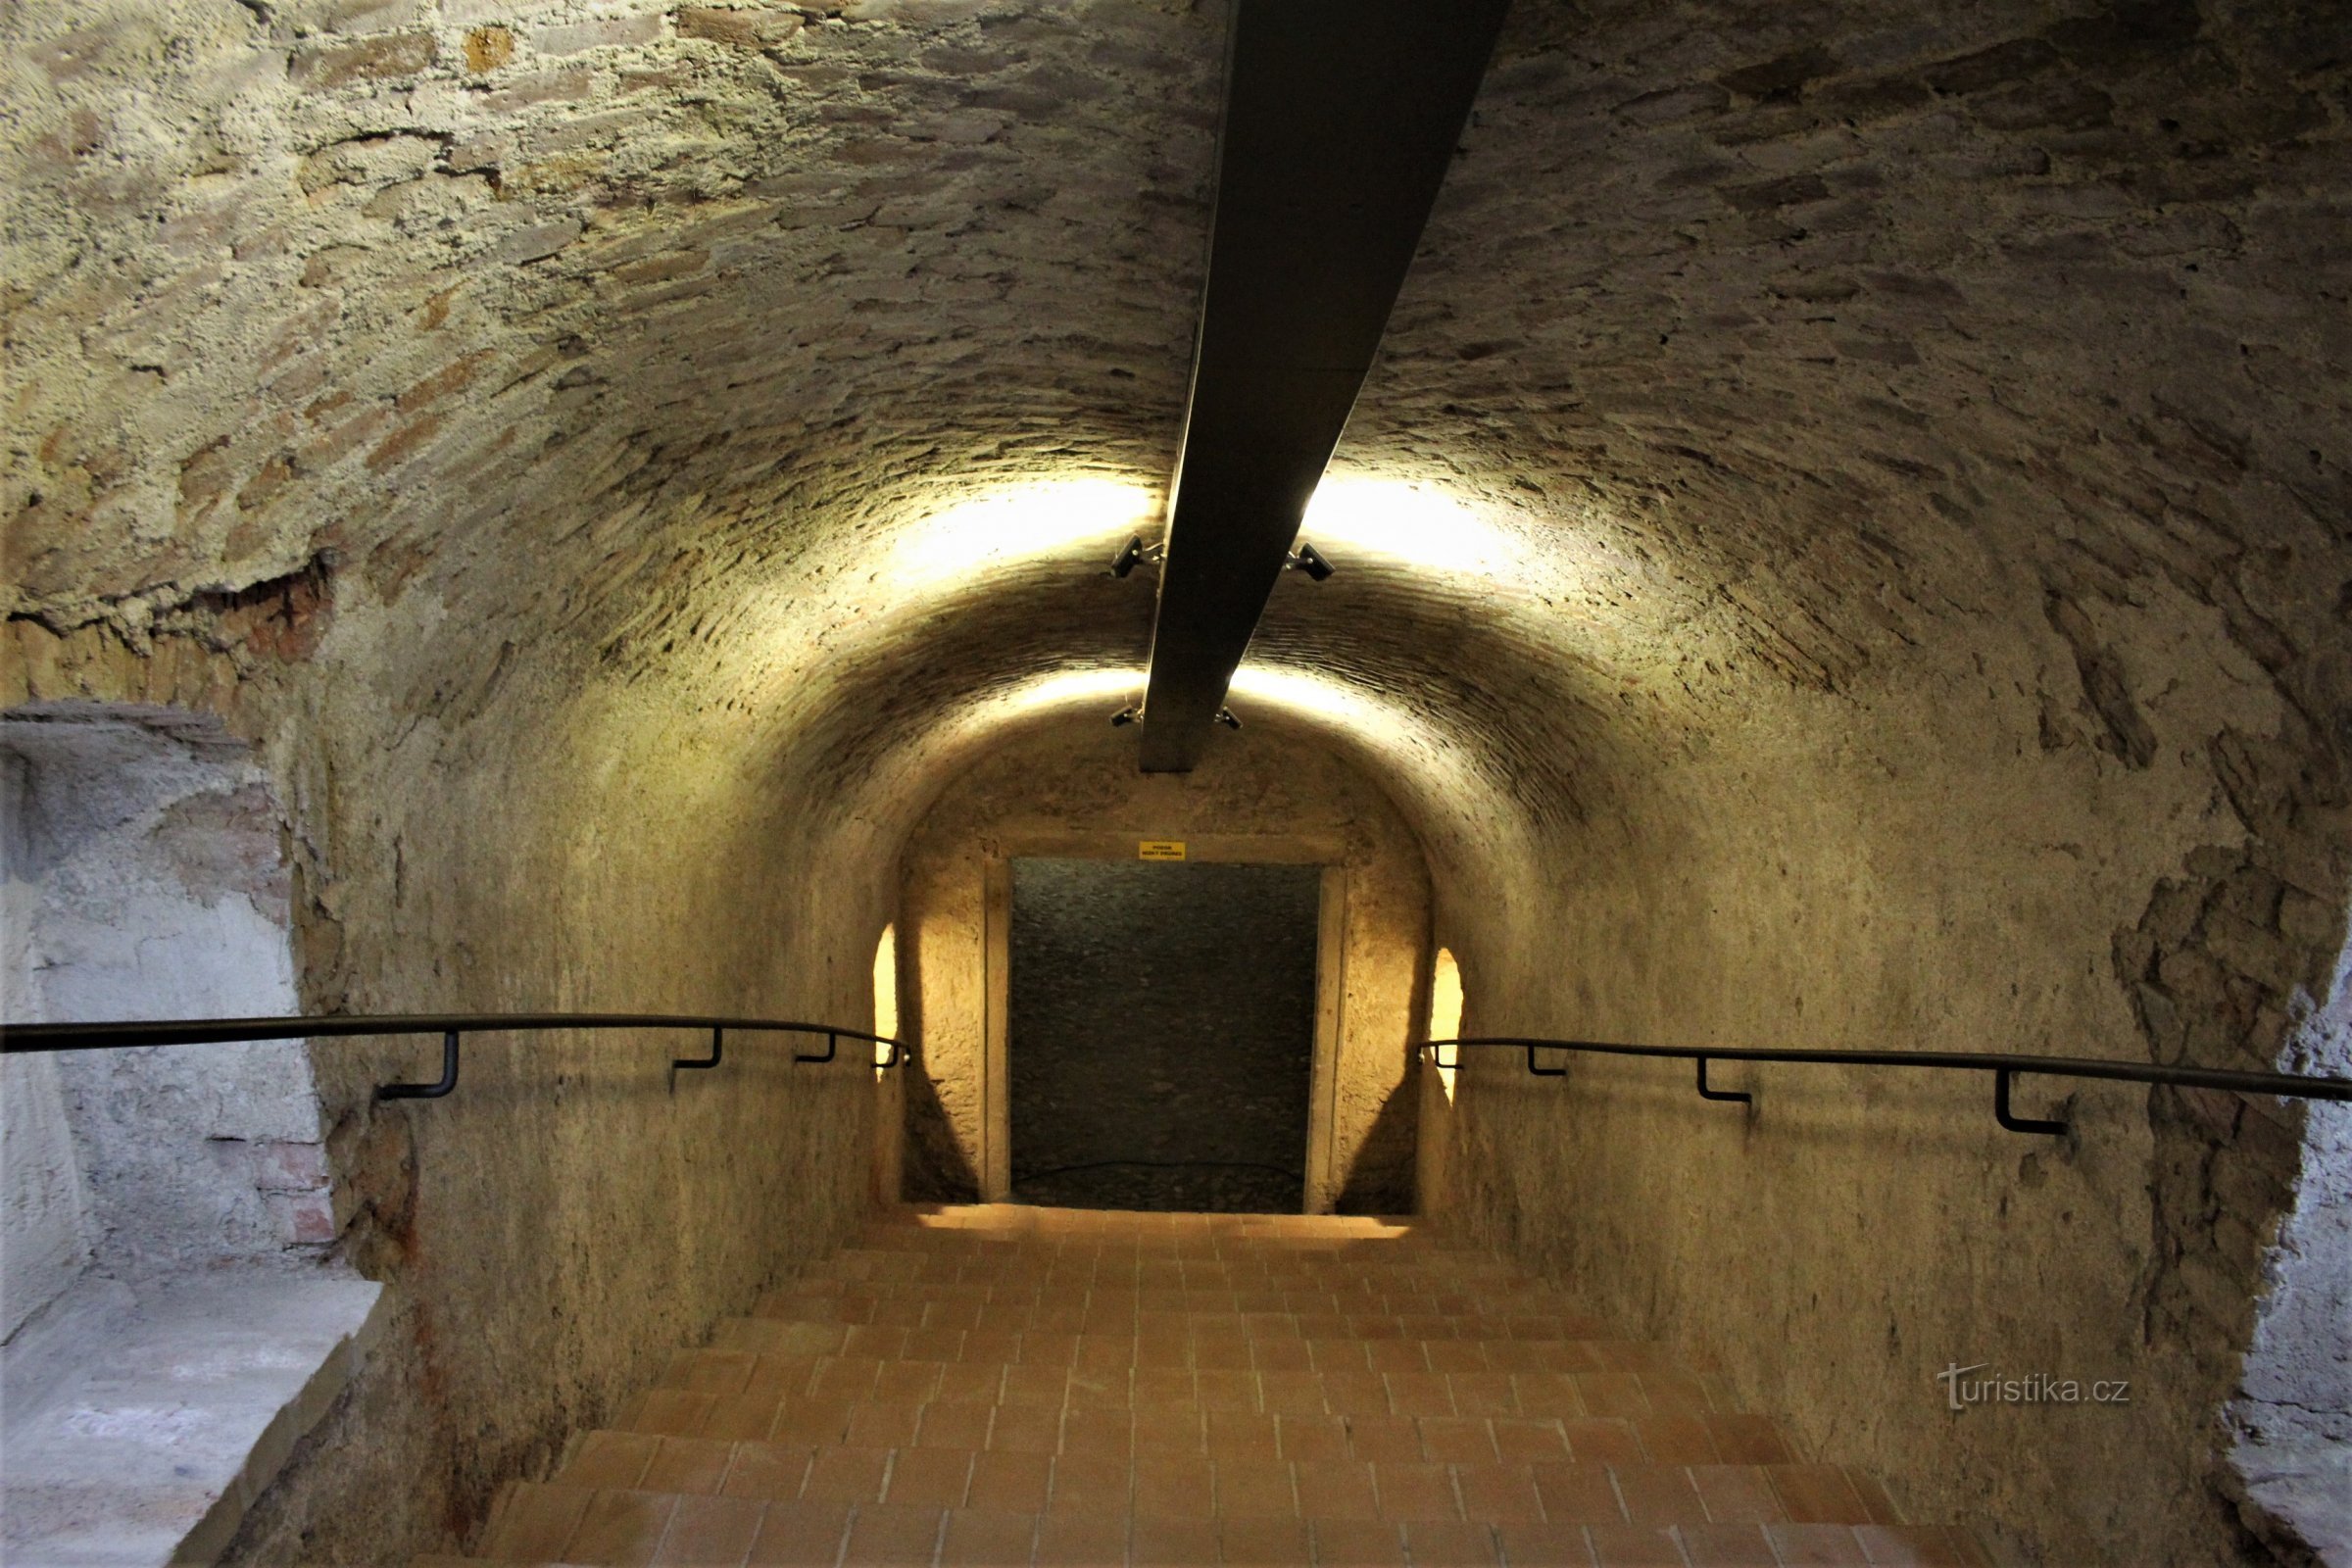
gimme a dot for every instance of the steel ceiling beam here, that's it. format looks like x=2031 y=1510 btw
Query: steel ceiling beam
x=1341 y=117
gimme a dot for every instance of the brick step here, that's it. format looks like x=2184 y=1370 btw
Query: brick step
x=890 y=1246
x=1716 y=1437
x=613 y=1526
x=891 y=1249
x=976 y=1305
x=730 y=1367
x=1007 y=1386
x=1397 y=1244
x=762 y=1409
x=1193 y=1233
x=1339 y=1278
x=1015 y=1260
x=1481 y=1274
x=1368 y=1317
x=1309 y=1270
x=749 y=1354
x=1243 y=1254
x=1159 y=1483
x=1138 y=1228
x=1065 y=1274
x=1262 y=1339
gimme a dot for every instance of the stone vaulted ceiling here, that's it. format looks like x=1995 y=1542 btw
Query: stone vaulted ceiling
x=1748 y=345
x=1845 y=539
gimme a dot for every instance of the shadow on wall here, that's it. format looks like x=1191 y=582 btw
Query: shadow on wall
x=932 y=1168
x=1387 y=1174
x=1380 y=1180
x=935 y=1171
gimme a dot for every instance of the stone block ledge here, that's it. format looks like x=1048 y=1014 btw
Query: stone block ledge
x=144 y=1417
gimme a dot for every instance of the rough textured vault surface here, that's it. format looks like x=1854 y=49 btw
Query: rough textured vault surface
x=1880 y=576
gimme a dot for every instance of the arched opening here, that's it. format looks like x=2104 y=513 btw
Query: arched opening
x=886 y=990
x=1070 y=794
x=890 y=1087
x=1446 y=1012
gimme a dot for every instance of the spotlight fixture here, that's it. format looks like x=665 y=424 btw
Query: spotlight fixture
x=1134 y=552
x=1226 y=719
x=1124 y=716
x=1308 y=559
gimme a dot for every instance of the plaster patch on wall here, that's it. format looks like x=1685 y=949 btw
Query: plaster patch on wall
x=44 y=1213
x=2292 y=1422
x=146 y=879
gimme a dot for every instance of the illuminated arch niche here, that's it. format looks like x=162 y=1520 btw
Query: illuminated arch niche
x=1446 y=1009
x=886 y=991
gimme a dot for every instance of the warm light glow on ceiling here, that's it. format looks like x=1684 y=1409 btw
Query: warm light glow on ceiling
x=1307 y=694
x=1074 y=686
x=999 y=527
x=1411 y=744
x=1360 y=514
x=1098 y=691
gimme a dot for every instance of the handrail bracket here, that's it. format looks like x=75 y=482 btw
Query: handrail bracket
x=432 y=1091
x=1705 y=1093
x=2018 y=1124
x=679 y=1064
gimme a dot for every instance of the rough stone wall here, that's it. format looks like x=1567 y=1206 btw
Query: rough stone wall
x=570 y=1214
x=539 y=1279
x=1860 y=1232
x=505 y=413
x=312 y=286
x=1929 y=427
x=1078 y=775
x=606 y=456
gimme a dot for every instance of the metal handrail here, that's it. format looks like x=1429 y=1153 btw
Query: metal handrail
x=2002 y=1065
x=24 y=1039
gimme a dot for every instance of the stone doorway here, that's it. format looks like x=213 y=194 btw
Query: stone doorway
x=1161 y=1024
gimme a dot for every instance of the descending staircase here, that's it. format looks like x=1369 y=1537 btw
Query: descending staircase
x=1004 y=1385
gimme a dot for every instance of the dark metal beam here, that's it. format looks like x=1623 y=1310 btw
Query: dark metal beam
x=1341 y=117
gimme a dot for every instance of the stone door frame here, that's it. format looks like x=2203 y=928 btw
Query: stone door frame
x=1325 y=849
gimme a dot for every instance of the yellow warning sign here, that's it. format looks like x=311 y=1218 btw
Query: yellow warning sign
x=1159 y=849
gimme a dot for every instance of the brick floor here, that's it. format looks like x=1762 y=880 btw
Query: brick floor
x=1000 y=1385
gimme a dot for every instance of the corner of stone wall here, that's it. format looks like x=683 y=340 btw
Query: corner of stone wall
x=2241 y=962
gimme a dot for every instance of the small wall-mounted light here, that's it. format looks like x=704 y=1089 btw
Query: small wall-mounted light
x=1226 y=719
x=1134 y=552
x=1125 y=717
x=1308 y=559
